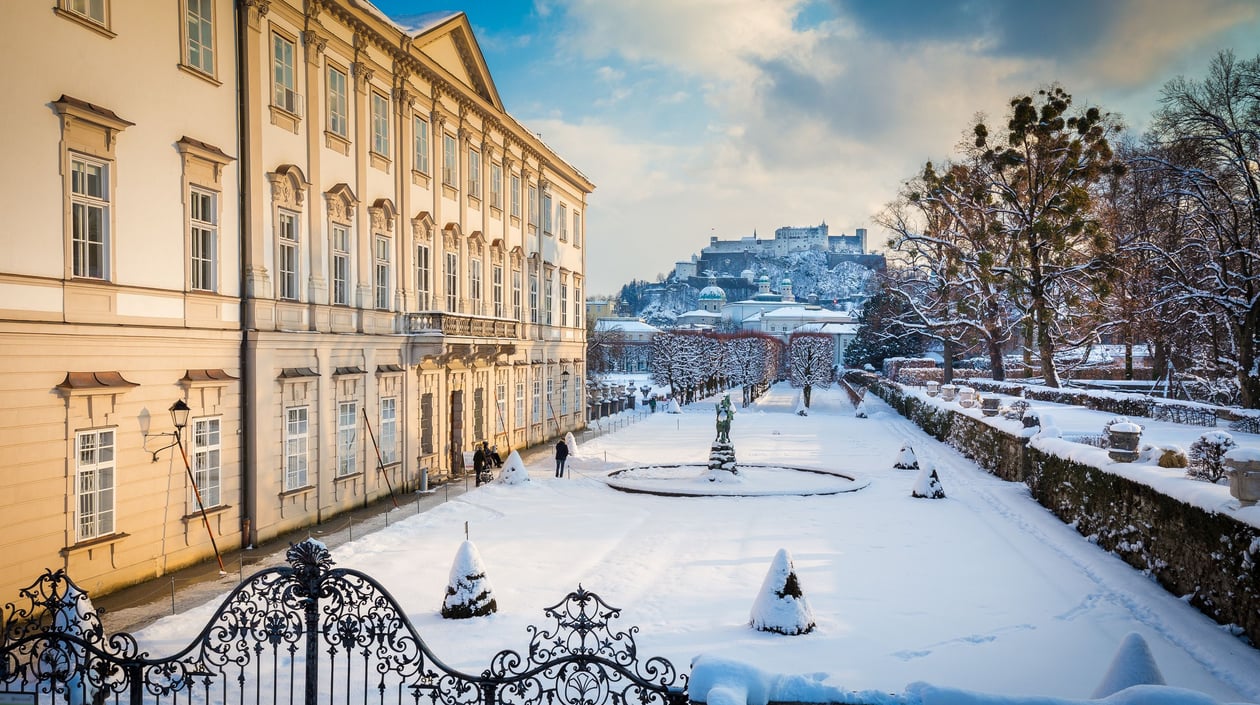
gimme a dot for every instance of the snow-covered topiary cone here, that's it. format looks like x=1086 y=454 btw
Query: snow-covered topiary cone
x=800 y=409
x=860 y=412
x=906 y=459
x=928 y=485
x=569 y=441
x=468 y=593
x=514 y=472
x=781 y=606
x=1132 y=665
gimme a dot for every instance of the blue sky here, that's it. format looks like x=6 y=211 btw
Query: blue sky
x=699 y=118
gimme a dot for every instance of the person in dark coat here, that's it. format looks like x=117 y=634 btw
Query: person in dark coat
x=562 y=453
x=492 y=455
x=479 y=463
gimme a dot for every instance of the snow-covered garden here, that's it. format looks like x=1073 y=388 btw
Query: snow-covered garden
x=982 y=591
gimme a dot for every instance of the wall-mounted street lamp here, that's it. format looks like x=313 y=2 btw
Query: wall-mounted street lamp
x=179 y=419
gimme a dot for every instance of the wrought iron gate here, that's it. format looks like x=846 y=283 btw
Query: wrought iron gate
x=310 y=633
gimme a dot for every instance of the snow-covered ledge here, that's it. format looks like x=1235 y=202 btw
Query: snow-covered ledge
x=719 y=681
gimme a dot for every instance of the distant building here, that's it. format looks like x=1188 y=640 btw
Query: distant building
x=600 y=308
x=635 y=353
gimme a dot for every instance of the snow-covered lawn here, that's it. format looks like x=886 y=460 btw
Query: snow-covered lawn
x=983 y=590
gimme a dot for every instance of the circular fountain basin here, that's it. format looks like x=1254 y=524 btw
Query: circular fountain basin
x=753 y=480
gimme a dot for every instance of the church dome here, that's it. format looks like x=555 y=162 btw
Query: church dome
x=712 y=292
x=748 y=275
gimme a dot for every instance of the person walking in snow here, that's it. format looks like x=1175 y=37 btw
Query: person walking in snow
x=479 y=463
x=562 y=453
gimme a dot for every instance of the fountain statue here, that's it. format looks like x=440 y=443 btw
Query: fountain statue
x=722 y=453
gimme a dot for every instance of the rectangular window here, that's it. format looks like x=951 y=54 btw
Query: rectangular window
x=347 y=438
x=546 y=213
x=423 y=277
x=537 y=402
x=206 y=461
x=89 y=206
x=287 y=235
x=389 y=430
x=577 y=394
x=515 y=188
x=533 y=205
x=94 y=483
x=500 y=408
x=296 y=432
x=577 y=305
x=496 y=186
x=564 y=395
x=380 y=124
x=547 y=300
x=338 y=103
x=421 y=144
x=474 y=174
x=199 y=31
x=564 y=302
x=203 y=238
x=452 y=282
x=450 y=159
x=284 y=76
x=382 y=273
x=474 y=283
x=516 y=294
x=577 y=229
x=91 y=9
x=520 y=404
x=340 y=265
x=533 y=297
x=497 y=286
x=426 y=423
x=551 y=388
x=562 y=220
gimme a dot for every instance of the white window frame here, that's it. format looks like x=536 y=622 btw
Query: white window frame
x=198 y=31
x=339 y=263
x=389 y=430
x=381 y=272
x=500 y=408
x=517 y=297
x=207 y=461
x=284 y=93
x=203 y=239
x=548 y=301
x=94 y=13
x=546 y=213
x=424 y=276
x=338 y=101
x=474 y=283
x=496 y=185
x=347 y=438
x=564 y=301
x=91 y=250
x=452 y=282
x=380 y=124
x=537 y=402
x=297 y=430
x=474 y=173
x=577 y=228
x=562 y=220
x=533 y=297
x=289 y=252
x=94 y=486
x=420 y=143
x=533 y=205
x=496 y=285
x=520 y=405
x=515 y=196
x=450 y=160
x=564 y=395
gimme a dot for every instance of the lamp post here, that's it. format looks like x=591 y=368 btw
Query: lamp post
x=179 y=418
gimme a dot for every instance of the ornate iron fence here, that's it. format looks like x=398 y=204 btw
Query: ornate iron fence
x=310 y=633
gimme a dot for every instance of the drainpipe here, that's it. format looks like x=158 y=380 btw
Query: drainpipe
x=249 y=527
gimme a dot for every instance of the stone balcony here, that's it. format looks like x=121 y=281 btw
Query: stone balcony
x=458 y=324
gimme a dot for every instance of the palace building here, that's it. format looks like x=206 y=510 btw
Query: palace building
x=315 y=226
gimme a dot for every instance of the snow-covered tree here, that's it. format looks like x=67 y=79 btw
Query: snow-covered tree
x=468 y=592
x=879 y=334
x=811 y=359
x=781 y=606
x=928 y=485
x=1207 y=456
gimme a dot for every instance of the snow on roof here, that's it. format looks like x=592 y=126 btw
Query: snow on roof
x=627 y=326
x=413 y=25
x=803 y=312
x=700 y=314
x=829 y=328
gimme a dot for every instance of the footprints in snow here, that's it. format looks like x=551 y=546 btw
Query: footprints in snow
x=972 y=639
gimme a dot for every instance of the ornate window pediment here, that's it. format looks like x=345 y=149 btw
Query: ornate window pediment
x=451 y=235
x=422 y=227
x=288 y=186
x=382 y=213
x=341 y=203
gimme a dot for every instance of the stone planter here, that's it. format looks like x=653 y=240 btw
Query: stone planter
x=948 y=392
x=968 y=397
x=1124 y=441
x=933 y=388
x=990 y=405
x=1244 y=476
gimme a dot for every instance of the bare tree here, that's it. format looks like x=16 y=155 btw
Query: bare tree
x=811 y=360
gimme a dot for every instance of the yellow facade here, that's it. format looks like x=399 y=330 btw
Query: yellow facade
x=364 y=253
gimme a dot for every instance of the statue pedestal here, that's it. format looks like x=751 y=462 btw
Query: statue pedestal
x=722 y=458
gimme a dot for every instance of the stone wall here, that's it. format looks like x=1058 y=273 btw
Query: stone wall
x=1212 y=558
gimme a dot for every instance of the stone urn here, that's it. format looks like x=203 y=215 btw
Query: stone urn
x=1243 y=471
x=1125 y=437
x=933 y=388
x=990 y=405
x=968 y=397
x=948 y=392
